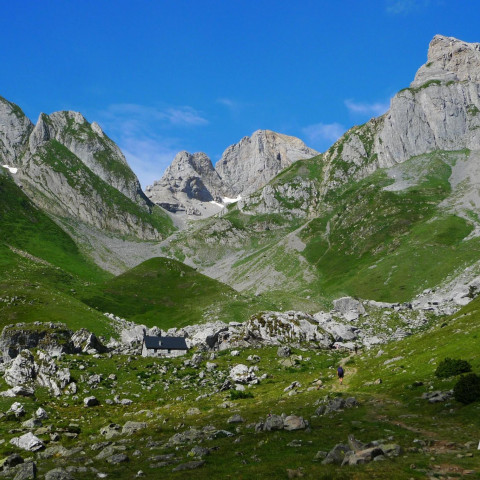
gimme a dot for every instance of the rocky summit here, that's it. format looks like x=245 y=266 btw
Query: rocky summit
x=191 y=186
x=324 y=325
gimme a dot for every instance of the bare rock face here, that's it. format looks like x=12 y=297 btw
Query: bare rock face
x=15 y=128
x=22 y=371
x=254 y=161
x=450 y=59
x=192 y=187
x=87 y=342
x=188 y=185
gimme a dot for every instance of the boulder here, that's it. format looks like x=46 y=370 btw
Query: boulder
x=189 y=465
x=348 y=307
x=12 y=460
x=235 y=419
x=132 y=427
x=87 y=342
x=90 y=401
x=18 y=391
x=118 y=458
x=242 y=374
x=16 y=409
x=110 y=450
x=283 y=351
x=273 y=422
x=438 y=396
x=32 y=423
x=26 y=471
x=293 y=422
x=337 y=454
x=111 y=430
x=28 y=441
x=58 y=474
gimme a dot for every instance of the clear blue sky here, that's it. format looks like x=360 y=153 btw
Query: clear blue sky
x=163 y=76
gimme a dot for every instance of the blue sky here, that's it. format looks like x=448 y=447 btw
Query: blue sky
x=164 y=76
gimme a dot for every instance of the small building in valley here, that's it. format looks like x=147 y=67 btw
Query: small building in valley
x=156 y=346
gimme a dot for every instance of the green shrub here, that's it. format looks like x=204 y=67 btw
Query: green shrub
x=450 y=367
x=467 y=389
x=238 y=394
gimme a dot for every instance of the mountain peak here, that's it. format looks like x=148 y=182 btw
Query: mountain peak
x=450 y=59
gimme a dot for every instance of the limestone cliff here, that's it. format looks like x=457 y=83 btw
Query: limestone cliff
x=439 y=111
x=254 y=161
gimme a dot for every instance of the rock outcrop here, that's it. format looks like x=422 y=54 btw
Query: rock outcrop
x=50 y=337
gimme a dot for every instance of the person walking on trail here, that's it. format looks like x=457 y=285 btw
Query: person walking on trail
x=340 y=373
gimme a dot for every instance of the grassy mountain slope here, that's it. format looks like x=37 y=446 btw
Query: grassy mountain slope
x=167 y=293
x=41 y=267
x=387 y=236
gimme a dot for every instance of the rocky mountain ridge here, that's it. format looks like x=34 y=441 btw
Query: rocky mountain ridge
x=72 y=170
x=191 y=186
x=439 y=111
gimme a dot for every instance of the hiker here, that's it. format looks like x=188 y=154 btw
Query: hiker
x=340 y=373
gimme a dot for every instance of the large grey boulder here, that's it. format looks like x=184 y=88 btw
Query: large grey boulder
x=58 y=474
x=50 y=375
x=242 y=374
x=28 y=441
x=132 y=427
x=273 y=422
x=348 y=307
x=16 y=409
x=294 y=422
x=24 y=371
x=336 y=455
x=18 y=391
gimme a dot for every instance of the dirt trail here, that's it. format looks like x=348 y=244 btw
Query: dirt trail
x=350 y=371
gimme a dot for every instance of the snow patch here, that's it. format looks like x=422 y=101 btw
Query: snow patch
x=226 y=201
x=10 y=169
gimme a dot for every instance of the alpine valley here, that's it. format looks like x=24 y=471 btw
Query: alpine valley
x=276 y=265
